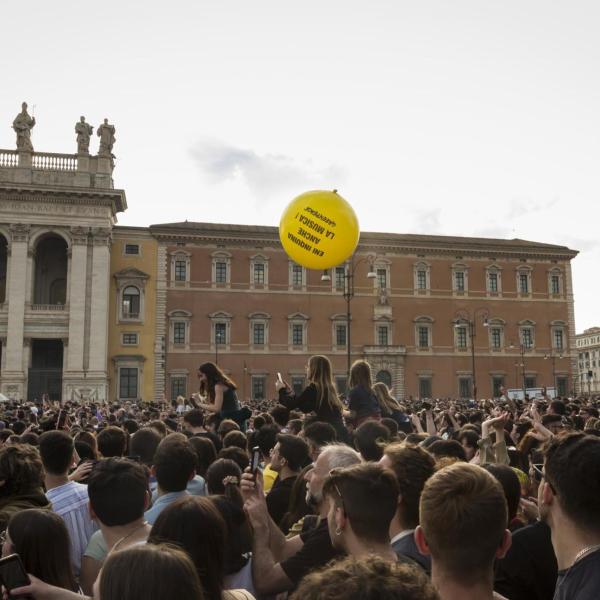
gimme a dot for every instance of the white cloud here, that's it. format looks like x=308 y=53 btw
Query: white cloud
x=265 y=175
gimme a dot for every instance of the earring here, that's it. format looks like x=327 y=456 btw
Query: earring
x=338 y=531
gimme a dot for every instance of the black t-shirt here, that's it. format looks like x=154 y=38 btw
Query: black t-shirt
x=581 y=581
x=308 y=402
x=278 y=498
x=316 y=552
x=528 y=571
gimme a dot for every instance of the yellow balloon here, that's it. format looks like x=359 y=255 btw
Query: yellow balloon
x=319 y=229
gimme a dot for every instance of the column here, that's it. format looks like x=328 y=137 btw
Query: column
x=79 y=240
x=99 y=300
x=13 y=379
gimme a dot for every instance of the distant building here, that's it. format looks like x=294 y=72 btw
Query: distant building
x=587 y=346
x=233 y=296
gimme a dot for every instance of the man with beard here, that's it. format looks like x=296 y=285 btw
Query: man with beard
x=279 y=564
x=357 y=528
x=568 y=501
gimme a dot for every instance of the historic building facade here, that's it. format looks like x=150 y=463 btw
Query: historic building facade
x=424 y=311
x=57 y=212
x=132 y=350
x=90 y=310
x=587 y=346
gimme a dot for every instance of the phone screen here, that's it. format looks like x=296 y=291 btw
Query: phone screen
x=255 y=459
x=62 y=419
x=12 y=572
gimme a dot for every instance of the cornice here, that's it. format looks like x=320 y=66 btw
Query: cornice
x=113 y=198
x=243 y=240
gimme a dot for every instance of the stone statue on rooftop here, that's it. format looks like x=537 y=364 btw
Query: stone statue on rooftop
x=106 y=133
x=23 y=124
x=83 y=131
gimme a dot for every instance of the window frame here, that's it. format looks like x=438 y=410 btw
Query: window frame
x=131 y=343
x=130 y=316
x=296 y=268
x=425 y=268
x=296 y=320
x=258 y=379
x=177 y=330
x=259 y=263
x=127 y=245
x=263 y=319
x=180 y=256
x=219 y=258
x=421 y=323
x=177 y=377
x=121 y=369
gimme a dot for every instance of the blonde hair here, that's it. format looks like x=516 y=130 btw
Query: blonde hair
x=319 y=374
x=387 y=403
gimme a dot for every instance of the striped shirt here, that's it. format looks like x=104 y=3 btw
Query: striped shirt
x=70 y=501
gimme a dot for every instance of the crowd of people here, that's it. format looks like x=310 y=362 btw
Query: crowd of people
x=318 y=497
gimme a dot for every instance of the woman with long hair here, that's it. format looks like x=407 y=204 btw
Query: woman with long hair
x=362 y=401
x=320 y=396
x=220 y=393
x=141 y=572
x=41 y=539
x=388 y=405
x=195 y=524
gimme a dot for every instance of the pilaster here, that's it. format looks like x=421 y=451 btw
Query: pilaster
x=573 y=370
x=79 y=237
x=13 y=378
x=99 y=301
x=160 y=342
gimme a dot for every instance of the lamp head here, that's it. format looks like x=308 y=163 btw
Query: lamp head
x=371 y=274
x=325 y=276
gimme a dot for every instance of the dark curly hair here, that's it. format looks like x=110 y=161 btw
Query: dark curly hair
x=21 y=469
x=371 y=578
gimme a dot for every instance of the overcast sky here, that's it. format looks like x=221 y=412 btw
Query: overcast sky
x=448 y=117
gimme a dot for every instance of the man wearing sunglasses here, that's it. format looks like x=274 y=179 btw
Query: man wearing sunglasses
x=569 y=502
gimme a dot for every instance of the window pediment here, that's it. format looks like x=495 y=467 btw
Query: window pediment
x=259 y=315
x=423 y=319
x=173 y=314
x=220 y=314
x=298 y=316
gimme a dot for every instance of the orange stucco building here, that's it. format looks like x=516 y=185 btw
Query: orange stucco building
x=424 y=310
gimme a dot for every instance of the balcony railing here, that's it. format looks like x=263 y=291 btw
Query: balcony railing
x=48 y=307
x=9 y=158
x=50 y=161
x=47 y=161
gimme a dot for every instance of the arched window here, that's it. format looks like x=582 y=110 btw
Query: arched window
x=131 y=302
x=384 y=377
x=50 y=283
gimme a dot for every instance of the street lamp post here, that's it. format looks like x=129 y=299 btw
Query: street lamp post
x=553 y=358
x=461 y=318
x=348 y=294
x=522 y=349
